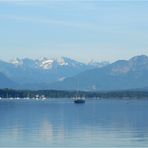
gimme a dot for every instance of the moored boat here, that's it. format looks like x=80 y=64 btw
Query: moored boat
x=79 y=100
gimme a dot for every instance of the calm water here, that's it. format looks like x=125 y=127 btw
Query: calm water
x=64 y=124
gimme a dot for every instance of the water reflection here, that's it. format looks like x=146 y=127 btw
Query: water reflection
x=63 y=123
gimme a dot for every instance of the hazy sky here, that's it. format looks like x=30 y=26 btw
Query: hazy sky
x=84 y=30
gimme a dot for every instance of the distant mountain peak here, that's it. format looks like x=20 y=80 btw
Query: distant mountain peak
x=122 y=74
x=42 y=59
x=98 y=64
x=46 y=63
x=139 y=58
x=134 y=63
x=39 y=73
x=16 y=61
x=139 y=62
x=63 y=61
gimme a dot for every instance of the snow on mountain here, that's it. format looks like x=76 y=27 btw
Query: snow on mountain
x=42 y=70
x=46 y=63
x=35 y=73
x=98 y=64
x=65 y=73
x=122 y=74
x=16 y=61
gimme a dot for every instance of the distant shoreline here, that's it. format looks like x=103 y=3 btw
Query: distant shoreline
x=122 y=94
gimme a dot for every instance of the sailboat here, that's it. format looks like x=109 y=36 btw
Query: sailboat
x=79 y=100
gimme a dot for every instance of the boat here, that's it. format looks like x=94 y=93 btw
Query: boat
x=79 y=100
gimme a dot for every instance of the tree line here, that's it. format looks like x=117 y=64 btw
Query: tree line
x=11 y=93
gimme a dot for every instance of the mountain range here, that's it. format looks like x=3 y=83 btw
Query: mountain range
x=67 y=74
x=39 y=73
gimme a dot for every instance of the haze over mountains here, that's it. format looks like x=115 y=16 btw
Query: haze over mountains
x=68 y=74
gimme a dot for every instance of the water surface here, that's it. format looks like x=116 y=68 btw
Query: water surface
x=61 y=123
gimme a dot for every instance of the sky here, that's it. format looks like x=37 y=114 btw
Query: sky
x=80 y=29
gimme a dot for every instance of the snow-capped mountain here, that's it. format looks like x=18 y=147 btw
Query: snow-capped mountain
x=47 y=63
x=98 y=64
x=122 y=74
x=64 y=73
x=42 y=70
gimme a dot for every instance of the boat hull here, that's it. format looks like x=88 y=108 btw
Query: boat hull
x=79 y=101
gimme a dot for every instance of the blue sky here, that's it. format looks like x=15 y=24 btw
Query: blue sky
x=84 y=30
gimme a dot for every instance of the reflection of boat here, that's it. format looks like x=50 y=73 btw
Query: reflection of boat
x=79 y=100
